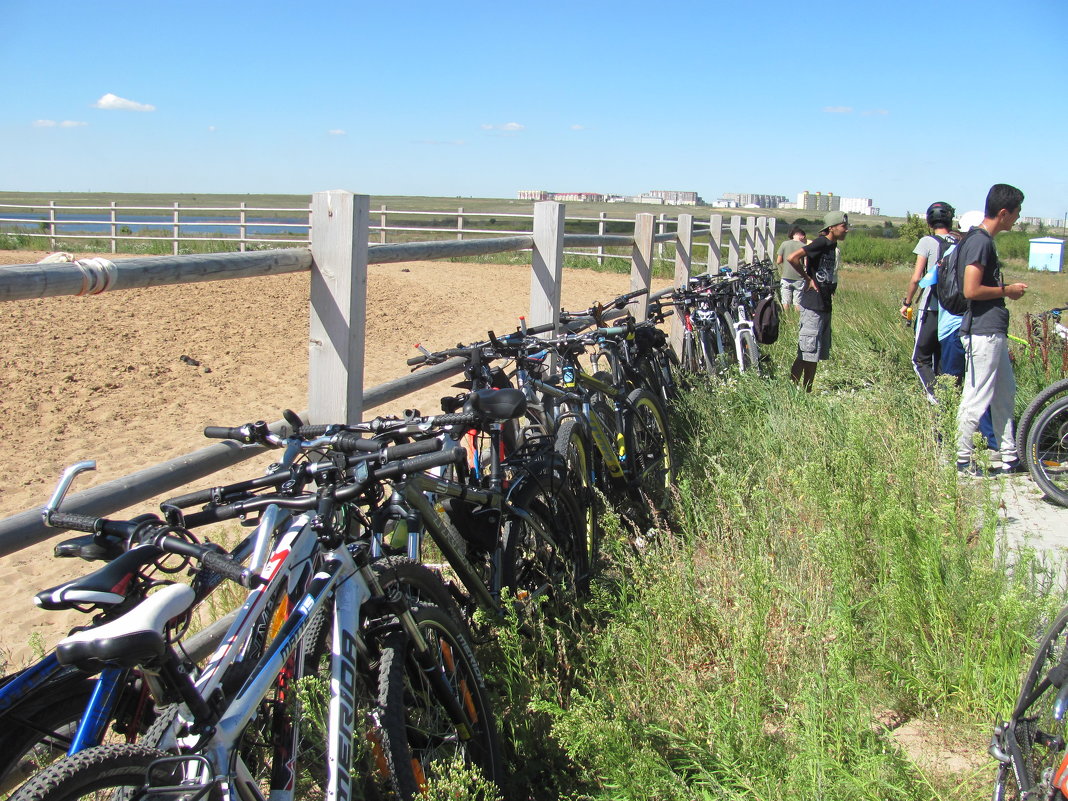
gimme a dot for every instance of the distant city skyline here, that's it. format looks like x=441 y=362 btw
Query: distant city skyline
x=478 y=99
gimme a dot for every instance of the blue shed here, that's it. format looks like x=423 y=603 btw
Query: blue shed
x=1046 y=254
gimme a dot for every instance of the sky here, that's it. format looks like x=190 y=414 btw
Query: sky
x=905 y=103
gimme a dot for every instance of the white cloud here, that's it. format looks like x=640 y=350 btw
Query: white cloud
x=112 y=102
x=212 y=129
x=875 y=112
x=336 y=132
x=54 y=124
x=508 y=126
x=838 y=109
x=72 y=124
x=578 y=127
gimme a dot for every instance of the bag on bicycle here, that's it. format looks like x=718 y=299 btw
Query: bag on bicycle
x=766 y=321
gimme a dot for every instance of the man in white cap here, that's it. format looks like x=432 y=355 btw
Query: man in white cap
x=818 y=262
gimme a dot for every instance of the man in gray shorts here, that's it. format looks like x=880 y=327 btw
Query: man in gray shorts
x=793 y=282
x=818 y=262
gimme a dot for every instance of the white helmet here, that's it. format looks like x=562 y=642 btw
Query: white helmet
x=969 y=220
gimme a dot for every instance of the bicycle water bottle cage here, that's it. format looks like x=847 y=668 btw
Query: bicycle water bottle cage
x=498 y=404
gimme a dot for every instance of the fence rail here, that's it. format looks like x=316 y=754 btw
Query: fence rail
x=338 y=260
x=256 y=227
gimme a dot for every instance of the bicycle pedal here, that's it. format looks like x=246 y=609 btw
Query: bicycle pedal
x=160 y=777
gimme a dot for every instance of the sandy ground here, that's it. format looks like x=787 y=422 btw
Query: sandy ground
x=102 y=378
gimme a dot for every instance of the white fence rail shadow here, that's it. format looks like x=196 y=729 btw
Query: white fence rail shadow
x=338 y=260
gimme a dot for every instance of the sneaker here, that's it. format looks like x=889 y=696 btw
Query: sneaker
x=971 y=470
x=1013 y=468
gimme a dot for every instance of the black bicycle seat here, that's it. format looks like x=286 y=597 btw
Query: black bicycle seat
x=500 y=404
x=104 y=587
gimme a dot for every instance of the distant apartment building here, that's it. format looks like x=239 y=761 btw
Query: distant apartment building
x=674 y=197
x=736 y=199
x=819 y=201
x=563 y=197
x=858 y=205
x=1048 y=222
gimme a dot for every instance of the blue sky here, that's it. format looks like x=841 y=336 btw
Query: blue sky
x=482 y=99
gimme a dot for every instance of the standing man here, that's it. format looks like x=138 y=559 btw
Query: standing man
x=988 y=379
x=818 y=262
x=926 y=353
x=793 y=282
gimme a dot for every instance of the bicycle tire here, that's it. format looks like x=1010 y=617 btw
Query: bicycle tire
x=750 y=354
x=651 y=463
x=572 y=447
x=689 y=361
x=420 y=584
x=416 y=731
x=1039 y=736
x=543 y=552
x=1046 y=452
x=1034 y=408
x=89 y=772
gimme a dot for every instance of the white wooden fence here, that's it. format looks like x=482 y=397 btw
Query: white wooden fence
x=338 y=260
x=176 y=224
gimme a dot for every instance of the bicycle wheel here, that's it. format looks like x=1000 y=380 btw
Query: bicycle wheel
x=689 y=360
x=572 y=448
x=650 y=463
x=418 y=733
x=1046 y=453
x=418 y=584
x=105 y=772
x=1034 y=408
x=1034 y=736
x=543 y=551
x=750 y=353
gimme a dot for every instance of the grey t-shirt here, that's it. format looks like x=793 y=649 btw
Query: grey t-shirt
x=928 y=246
x=788 y=271
x=984 y=316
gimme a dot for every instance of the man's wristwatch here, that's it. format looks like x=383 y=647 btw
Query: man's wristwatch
x=906 y=303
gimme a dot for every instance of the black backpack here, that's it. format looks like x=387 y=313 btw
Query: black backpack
x=766 y=320
x=950 y=286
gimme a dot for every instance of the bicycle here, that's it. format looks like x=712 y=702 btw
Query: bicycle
x=237 y=732
x=1031 y=745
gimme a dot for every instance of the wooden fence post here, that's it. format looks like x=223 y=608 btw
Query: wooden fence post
x=641 y=260
x=242 y=229
x=52 y=225
x=683 y=270
x=340 y=222
x=113 y=228
x=715 y=243
x=546 y=263
x=661 y=226
x=732 y=243
x=382 y=224
x=750 y=238
x=175 y=229
x=460 y=223
x=771 y=237
x=600 y=232
x=761 y=238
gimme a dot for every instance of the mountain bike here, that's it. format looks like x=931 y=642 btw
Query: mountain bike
x=1031 y=745
x=1046 y=450
x=405 y=690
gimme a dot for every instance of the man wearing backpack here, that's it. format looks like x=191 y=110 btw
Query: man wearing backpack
x=988 y=379
x=929 y=251
x=820 y=268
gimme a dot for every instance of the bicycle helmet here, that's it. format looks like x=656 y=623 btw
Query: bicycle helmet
x=940 y=215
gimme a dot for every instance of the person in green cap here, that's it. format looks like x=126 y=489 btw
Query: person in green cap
x=818 y=262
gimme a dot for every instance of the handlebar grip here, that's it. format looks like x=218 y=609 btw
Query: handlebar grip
x=421 y=463
x=541 y=329
x=197 y=498
x=410 y=449
x=457 y=419
x=225 y=432
x=311 y=432
x=622 y=300
x=412 y=362
x=73 y=522
x=228 y=568
x=611 y=332
x=349 y=442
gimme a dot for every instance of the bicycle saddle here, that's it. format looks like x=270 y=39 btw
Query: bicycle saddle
x=500 y=404
x=134 y=639
x=104 y=587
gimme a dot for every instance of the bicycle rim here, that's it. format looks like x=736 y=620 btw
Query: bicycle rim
x=1047 y=451
x=650 y=462
x=571 y=447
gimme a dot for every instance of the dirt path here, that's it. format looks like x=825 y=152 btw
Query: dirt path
x=102 y=377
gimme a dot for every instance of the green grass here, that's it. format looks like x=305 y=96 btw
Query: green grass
x=824 y=568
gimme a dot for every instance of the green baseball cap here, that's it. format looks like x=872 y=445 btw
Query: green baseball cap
x=833 y=218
